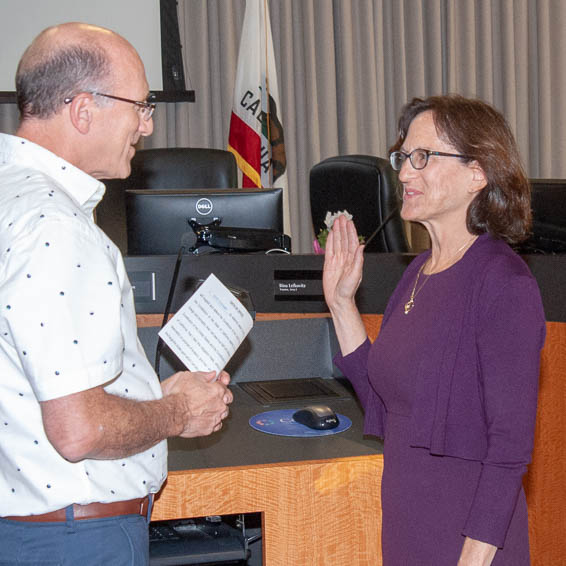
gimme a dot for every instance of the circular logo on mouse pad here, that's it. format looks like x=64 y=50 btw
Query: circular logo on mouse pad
x=280 y=423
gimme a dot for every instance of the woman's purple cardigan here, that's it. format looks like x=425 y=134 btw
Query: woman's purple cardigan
x=476 y=398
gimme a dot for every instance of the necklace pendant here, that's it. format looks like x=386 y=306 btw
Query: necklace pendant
x=409 y=305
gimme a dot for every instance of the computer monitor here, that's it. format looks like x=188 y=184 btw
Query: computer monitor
x=157 y=220
x=548 y=234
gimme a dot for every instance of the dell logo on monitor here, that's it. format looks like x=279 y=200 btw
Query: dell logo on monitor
x=204 y=206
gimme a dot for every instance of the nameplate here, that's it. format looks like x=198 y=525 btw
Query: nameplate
x=297 y=285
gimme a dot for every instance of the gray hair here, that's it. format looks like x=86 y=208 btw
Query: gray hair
x=44 y=81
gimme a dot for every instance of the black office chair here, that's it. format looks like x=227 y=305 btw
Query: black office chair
x=548 y=232
x=181 y=168
x=365 y=186
x=164 y=168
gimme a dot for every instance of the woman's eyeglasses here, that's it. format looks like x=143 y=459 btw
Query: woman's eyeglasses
x=418 y=157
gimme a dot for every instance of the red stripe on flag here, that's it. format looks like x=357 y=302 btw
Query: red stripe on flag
x=245 y=141
x=247 y=183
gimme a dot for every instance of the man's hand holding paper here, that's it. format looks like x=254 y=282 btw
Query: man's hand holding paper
x=204 y=334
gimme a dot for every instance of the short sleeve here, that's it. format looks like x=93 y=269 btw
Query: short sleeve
x=62 y=306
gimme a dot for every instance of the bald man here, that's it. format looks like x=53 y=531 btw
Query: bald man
x=83 y=416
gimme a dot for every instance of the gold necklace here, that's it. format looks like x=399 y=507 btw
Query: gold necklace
x=411 y=302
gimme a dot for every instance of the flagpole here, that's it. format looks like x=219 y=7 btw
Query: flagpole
x=267 y=113
x=250 y=137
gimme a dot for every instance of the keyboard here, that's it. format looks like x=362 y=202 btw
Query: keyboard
x=195 y=541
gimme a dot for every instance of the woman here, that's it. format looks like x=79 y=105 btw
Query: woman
x=451 y=382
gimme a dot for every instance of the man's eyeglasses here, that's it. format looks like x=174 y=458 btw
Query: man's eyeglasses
x=418 y=157
x=145 y=108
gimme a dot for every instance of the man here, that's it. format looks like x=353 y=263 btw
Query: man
x=82 y=414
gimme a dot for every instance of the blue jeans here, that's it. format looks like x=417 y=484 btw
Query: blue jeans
x=113 y=541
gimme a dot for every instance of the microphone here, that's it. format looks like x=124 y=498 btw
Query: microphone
x=172 y=287
x=381 y=226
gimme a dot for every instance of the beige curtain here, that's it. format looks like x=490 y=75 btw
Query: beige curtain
x=346 y=67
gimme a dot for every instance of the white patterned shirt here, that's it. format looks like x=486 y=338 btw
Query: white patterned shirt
x=67 y=324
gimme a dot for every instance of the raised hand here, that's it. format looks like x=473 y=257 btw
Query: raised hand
x=343 y=263
x=341 y=277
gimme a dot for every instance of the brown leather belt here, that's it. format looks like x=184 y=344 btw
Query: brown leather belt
x=91 y=511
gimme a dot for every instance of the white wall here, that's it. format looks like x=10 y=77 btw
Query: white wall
x=137 y=20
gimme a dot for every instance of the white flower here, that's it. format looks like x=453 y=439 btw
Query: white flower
x=332 y=216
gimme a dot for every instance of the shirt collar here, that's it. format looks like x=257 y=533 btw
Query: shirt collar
x=86 y=190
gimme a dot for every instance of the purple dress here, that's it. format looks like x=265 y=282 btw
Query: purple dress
x=451 y=387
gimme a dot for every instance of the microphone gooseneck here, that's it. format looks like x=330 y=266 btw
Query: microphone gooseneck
x=172 y=287
x=381 y=226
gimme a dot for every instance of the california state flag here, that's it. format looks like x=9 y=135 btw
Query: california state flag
x=256 y=133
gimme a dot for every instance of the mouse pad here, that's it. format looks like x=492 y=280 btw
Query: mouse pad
x=280 y=423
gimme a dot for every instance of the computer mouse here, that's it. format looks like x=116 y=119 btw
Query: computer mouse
x=319 y=417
